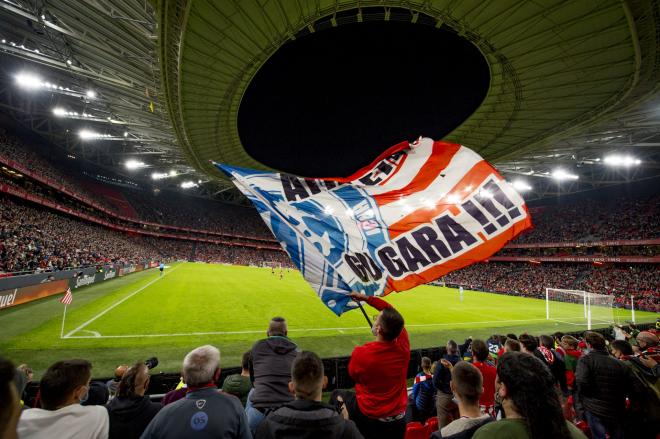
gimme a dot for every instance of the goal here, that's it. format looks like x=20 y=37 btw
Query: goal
x=578 y=307
x=271 y=264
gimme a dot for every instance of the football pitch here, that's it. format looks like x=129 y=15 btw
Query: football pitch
x=142 y=315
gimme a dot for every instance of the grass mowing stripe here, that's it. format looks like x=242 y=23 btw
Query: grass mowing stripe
x=117 y=304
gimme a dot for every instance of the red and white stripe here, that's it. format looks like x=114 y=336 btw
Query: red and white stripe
x=68 y=297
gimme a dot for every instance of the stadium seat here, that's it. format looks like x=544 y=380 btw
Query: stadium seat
x=432 y=424
x=415 y=430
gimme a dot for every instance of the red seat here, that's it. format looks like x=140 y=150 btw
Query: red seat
x=415 y=430
x=432 y=424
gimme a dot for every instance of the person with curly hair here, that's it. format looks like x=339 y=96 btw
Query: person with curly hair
x=531 y=405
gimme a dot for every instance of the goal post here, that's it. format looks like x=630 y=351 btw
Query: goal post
x=578 y=307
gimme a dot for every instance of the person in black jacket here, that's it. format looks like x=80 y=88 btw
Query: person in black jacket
x=131 y=411
x=603 y=383
x=270 y=372
x=307 y=416
x=447 y=409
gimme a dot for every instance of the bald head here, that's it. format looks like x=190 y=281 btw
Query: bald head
x=277 y=326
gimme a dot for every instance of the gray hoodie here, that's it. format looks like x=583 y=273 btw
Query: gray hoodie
x=270 y=371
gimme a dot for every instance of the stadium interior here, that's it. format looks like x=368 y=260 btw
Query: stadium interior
x=121 y=240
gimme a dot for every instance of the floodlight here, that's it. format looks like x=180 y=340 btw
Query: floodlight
x=560 y=174
x=621 y=160
x=521 y=185
x=87 y=134
x=125 y=133
x=133 y=164
x=159 y=175
x=59 y=112
x=188 y=184
x=28 y=81
x=91 y=94
x=68 y=61
x=172 y=173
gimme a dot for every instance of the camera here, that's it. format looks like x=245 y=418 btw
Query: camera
x=151 y=362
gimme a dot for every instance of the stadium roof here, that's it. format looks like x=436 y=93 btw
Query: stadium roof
x=569 y=81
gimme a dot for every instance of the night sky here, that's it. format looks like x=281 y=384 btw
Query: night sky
x=329 y=102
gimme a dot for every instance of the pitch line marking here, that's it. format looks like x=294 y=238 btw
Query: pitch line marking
x=70 y=333
x=260 y=331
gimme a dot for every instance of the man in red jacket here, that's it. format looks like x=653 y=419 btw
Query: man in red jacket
x=379 y=369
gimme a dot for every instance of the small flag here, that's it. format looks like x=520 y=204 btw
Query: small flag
x=419 y=211
x=151 y=107
x=68 y=297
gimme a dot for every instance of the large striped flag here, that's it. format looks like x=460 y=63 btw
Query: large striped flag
x=418 y=212
x=68 y=297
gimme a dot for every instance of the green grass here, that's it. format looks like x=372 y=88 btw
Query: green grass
x=230 y=306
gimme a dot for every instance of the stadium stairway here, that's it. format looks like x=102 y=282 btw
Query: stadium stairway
x=579 y=278
x=114 y=197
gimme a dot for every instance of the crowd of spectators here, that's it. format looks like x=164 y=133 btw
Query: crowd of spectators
x=642 y=281
x=34 y=239
x=523 y=279
x=13 y=148
x=610 y=251
x=238 y=255
x=514 y=386
x=197 y=213
x=531 y=279
x=595 y=220
x=167 y=208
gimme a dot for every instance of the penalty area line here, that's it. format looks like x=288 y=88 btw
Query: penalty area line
x=70 y=333
x=293 y=330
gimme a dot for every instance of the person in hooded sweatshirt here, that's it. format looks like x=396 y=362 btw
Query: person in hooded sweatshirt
x=64 y=385
x=307 y=416
x=270 y=372
x=131 y=411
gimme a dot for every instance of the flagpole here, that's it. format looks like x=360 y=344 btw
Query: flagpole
x=63 y=318
x=364 y=313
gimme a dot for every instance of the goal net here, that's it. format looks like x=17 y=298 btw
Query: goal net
x=271 y=264
x=578 y=307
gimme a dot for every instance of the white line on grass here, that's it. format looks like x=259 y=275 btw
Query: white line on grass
x=70 y=333
x=259 y=331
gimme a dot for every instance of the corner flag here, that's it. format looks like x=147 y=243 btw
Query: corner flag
x=68 y=297
x=418 y=212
